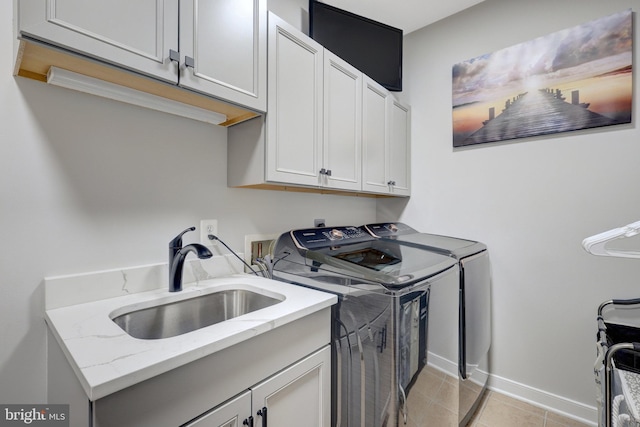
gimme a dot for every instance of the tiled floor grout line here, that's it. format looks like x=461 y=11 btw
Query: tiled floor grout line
x=548 y=417
x=478 y=414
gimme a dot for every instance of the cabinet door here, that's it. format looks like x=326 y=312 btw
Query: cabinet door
x=223 y=49
x=230 y=414
x=342 y=147
x=300 y=395
x=400 y=149
x=136 y=35
x=375 y=137
x=294 y=121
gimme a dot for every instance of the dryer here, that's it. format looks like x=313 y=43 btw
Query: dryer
x=474 y=309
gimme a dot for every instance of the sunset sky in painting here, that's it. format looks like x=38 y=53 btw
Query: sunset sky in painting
x=588 y=50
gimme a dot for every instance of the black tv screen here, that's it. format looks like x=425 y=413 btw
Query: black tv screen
x=372 y=47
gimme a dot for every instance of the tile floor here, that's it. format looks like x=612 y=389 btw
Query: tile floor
x=434 y=397
x=498 y=410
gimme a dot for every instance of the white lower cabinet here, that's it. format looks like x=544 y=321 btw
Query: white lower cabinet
x=299 y=395
x=233 y=413
x=286 y=370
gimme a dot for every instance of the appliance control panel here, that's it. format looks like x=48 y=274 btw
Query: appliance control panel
x=316 y=238
x=389 y=229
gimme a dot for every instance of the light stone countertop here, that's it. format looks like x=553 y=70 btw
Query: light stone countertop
x=106 y=359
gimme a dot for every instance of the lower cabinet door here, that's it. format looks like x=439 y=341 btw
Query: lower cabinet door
x=233 y=413
x=298 y=396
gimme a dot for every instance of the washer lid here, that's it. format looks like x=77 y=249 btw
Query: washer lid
x=380 y=261
x=404 y=234
x=352 y=252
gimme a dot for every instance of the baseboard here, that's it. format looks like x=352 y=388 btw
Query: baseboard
x=569 y=408
x=551 y=402
x=447 y=366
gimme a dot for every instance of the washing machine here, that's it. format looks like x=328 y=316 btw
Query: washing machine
x=384 y=324
x=474 y=308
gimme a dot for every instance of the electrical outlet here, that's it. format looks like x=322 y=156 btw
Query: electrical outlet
x=208 y=226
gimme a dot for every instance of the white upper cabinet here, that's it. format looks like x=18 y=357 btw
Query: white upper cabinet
x=386 y=151
x=214 y=47
x=342 y=156
x=400 y=149
x=329 y=127
x=314 y=122
x=375 y=137
x=223 y=49
x=294 y=121
x=136 y=35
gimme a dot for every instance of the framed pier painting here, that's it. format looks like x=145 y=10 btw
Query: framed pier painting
x=573 y=79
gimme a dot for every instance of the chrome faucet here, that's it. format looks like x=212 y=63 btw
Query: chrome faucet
x=177 y=255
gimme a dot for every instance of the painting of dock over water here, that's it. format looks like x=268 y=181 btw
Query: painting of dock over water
x=573 y=79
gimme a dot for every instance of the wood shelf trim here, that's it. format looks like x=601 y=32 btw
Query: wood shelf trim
x=315 y=190
x=34 y=60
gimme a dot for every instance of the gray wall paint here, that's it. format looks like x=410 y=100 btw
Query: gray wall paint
x=92 y=184
x=531 y=201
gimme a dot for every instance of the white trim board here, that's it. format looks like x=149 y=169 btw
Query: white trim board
x=566 y=407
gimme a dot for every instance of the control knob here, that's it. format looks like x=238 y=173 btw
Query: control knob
x=336 y=234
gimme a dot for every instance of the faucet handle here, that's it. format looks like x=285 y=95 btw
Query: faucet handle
x=177 y=241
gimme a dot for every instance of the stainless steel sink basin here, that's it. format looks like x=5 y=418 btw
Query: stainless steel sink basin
x=180 y=317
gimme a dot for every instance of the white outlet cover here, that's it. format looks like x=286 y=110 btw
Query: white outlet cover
x=208 y=226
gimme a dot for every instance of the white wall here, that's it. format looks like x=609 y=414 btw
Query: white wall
x=90 y=184
x=531 y=201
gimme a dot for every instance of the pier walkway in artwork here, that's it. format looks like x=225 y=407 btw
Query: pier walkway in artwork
x=537 y=113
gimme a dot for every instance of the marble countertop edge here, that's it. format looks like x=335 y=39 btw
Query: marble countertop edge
x=106 y=359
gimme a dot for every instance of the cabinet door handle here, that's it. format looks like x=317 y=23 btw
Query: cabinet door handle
x=174 y=55
x=189 y=62
x=248 y=422
x=263 y=413
x=391 y=183
x=328 y=172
